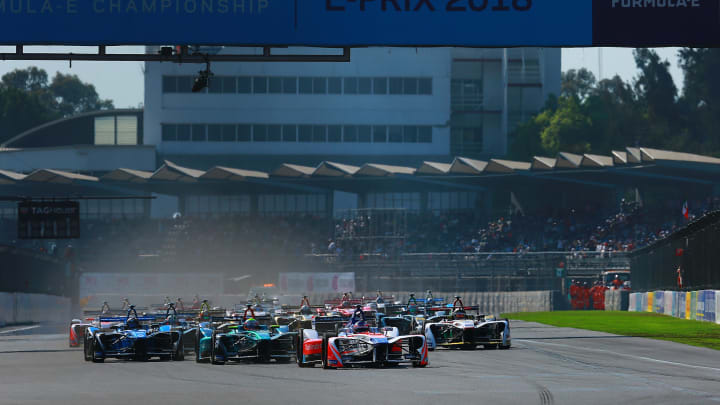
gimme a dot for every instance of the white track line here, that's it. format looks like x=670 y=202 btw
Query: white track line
x=24 y=328
x=586 y=349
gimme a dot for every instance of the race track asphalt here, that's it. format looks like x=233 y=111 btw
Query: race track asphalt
x=546 y=365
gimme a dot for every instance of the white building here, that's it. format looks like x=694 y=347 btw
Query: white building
x=388 y=105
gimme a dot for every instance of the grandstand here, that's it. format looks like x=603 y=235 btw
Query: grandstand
x=487 y=225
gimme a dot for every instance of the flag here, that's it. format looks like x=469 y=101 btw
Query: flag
x=685 y=211
x=516 y=204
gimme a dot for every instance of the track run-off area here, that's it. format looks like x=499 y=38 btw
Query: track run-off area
x=546 y=365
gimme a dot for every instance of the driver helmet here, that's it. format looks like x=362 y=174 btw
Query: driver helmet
x=459 y=314
x=132 y=323
x=251 y=324
x=305 y=310
x=360 y=326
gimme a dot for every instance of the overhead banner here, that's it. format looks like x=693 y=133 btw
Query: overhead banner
x=348 y=23
x=307 y=283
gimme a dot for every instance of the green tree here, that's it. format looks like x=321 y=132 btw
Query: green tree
x=656 y=95
x=568 y=129
x=73 y=96
x=27 y=99
x=577 y=83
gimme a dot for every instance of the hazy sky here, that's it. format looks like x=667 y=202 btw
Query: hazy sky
x=123 y=81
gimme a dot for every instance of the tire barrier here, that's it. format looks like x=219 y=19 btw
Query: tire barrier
x=703 y=305
x=617 y=300
x=17 y=308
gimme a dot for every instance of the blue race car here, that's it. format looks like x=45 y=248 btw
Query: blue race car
x=238 y=339
x=132 y=338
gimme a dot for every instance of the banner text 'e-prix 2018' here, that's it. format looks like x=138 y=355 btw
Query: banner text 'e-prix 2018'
x=480 y=23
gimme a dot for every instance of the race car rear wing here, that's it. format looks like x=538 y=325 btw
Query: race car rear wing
x=124 y=318
x=450 y=308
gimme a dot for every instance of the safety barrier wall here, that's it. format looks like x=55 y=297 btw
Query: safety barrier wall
x=617 y=300
x=701 y=305
x=489 y=303
x=26 y=308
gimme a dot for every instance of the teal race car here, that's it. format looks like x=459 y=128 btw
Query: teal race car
x=232 y=339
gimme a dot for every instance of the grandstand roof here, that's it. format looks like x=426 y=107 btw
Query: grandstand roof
x=630 y=167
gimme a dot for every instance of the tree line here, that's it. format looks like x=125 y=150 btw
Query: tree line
x=28 y=98
x=592 y=116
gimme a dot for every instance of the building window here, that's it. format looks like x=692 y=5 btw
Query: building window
x=334 y=85
x=169 y=84
x=183 y=132
x=105 y=131
x=289 y=85
x=244 y=133
x=425 y=86
x=306 y=85
x=229 y=84
x=379 y=134
x=380 y=85
x=410 y=86
x=305 y=133
x=118 y=130
x=215 y=85
x=228 y=133
x=334 y=133
x=289 y=133
x=275 y=85
x=198 y=133
x=351 y=134
x=466 y=94
x=274 y=133
x=260 y=133
x=364 y=85
x=425 y=134
x=364 y=133
x=169 y=132
x=302 y=85
x=319 y=133
x=351 y=85
x=319 y=85
x=260 y=85
x=185 y=84
x=127 y=129
x=244 y=85
x=396 y=85
x=410 y=134
x=396 y=135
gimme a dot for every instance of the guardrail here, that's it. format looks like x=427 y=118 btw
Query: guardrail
x=578 y=264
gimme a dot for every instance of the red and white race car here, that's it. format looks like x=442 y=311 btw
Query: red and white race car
x=360 y=345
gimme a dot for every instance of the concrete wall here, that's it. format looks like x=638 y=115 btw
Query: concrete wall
x=25 y=308
x=489 y=303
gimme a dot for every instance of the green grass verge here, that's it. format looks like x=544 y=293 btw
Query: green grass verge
x=654 y=326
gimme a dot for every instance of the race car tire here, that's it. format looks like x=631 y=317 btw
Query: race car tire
x=264 y=355
x=94 y=357
x=299 y=350
x=490 y=347
x=469 y=347
x=87 y=355
x=180 y=351
x=213 y=360
x=324 y=356
x=197 y=345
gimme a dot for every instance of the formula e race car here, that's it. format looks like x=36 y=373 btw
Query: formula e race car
x=132 y=338
x=360 y=345
x=243 y=338
x=462 y=330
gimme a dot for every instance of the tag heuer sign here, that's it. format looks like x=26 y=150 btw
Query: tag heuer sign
x=48 y=220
